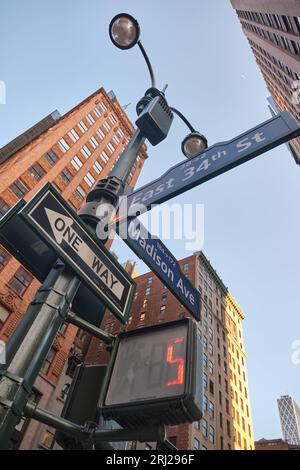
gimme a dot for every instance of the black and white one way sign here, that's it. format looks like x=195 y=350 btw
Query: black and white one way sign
x=92 y=262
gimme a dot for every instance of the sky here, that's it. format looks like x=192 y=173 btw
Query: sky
x=55 y=53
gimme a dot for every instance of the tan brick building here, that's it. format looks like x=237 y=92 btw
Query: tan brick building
x=226 y=423
x=272 y=28
x=73 y=152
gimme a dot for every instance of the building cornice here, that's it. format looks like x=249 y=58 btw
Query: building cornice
x=225 y=291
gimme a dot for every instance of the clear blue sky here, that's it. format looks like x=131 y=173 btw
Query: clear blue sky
x=55 y=53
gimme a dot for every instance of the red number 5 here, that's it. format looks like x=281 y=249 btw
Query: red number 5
x=175 y=360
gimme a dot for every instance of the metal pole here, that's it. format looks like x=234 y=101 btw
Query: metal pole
x=106 y=192
x=28 y=347
x=93 y=330
x=149 y=433
x=32 y=411
x=123 y=166
x=49 y=309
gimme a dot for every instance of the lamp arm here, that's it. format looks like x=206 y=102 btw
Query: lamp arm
x=184 y=119
x=153 y=82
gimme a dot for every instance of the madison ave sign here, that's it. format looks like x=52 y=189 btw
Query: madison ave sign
x=161 y=261
x=216 y=160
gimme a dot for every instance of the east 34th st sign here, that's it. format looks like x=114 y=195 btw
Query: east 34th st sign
x=216 y=160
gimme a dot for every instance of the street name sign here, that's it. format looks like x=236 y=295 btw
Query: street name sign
x=161 y=261
x=52 y=223
x=214 y=161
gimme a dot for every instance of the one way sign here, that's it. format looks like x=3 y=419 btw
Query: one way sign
x=64 y=231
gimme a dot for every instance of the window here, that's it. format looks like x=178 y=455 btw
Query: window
x=50 y=356
x=210 y=367
x=94 y=142
x=66 y=176
x=210 y=333
x=103 y=106
x=104 y=156
x=211 y=409
x=3 y=207
x=20 y=281
x=97 y=112
x=110 y=147
x=205 y=360
x=149 y=280
x=205 y=326
x=162 y=309
x=97 y=167
x=197 y=425
x=145 y=303
x=210 y=348
x=36 y=171
x=297 y=21
x=121 y=133
x=211 y=386
x=73 y=135
x=204 y=427
x=296 y=47
x=100 y=133
x=80 y=193
x=116 y=140
x=4 y=258
x=64 y=390
x=205 y=403
x=90 y=119
x=211 y=434
x=63 y=145
x=142 y=316
x=89 y=179
x=148 y=291
x=227 y=405
x=76 y=162
x=4 y=314
x=221 y=420
x=228 y=428
x=50 y=157
x=19 y=188
x=63 y=328
x=204 y=342
x=86 y=152
x=106 y=126
x=82 y=127
x=48 y=439
x=205 y=380
x=287 y=23
x=112 y=119
x=196 y=444
x=186 y=267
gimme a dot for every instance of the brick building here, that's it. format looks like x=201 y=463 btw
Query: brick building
x=275 y=444
x=272 y=28
x=227 y=420
x=71 y=151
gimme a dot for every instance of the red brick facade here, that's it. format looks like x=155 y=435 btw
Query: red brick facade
x=95 y=125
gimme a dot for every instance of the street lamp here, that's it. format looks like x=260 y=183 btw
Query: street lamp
x=124 y=32
x=193 y=144
x=154 y=120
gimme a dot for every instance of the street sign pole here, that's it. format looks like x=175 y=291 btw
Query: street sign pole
x=34 y=335
x=48 y=309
